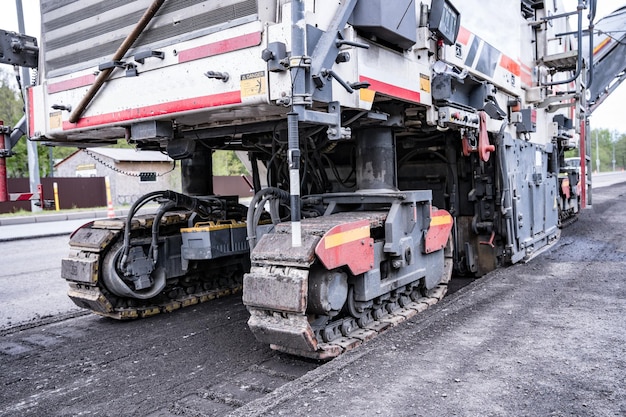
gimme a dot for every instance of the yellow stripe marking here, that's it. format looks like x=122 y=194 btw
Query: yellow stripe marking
x=440 y=220
x=601 y=45
x=346 y=237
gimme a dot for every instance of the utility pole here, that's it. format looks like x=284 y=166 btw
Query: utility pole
x=33 y=157
x=597 y=154
x=613 y=141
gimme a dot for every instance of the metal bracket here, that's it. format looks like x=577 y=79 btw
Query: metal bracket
x=217 y=75
x=131 y=70
x=140 y=57
x=66 y=107
x=276 y=57
x=18 y=49
x=332 y=119
x=4 y=131
x=111 y=64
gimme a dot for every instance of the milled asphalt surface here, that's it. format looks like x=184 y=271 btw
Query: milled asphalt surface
x=545 y=338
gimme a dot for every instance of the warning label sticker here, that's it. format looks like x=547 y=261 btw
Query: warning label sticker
x=425 y=83
x=55 y=120
x=253 y=84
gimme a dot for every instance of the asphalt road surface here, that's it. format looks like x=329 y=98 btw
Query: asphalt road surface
x=538 y=339
x=30 y=280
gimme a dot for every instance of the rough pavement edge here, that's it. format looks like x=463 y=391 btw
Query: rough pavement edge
x=450 y=303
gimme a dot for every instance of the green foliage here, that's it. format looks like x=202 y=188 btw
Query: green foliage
x=226 y=163
x=602 y=143
x=11 y=106
x=11 y=111
x=122 y=144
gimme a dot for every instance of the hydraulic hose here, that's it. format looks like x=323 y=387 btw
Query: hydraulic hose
x=256 y=207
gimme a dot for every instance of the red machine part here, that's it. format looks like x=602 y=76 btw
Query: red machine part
x=583 y=165
x=484 y=147
x=4 y=188
x=467 y=148
x=347 y=244
x=439 y=230
x=565 y=188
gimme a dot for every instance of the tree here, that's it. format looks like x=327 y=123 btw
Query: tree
x=11 y=111
x=227 y=163
x=606 y=141
x=620 y=152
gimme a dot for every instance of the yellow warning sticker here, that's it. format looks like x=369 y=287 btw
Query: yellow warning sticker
x=425 y=83
x=253 y=84
x=56 y=121
x=367 y=95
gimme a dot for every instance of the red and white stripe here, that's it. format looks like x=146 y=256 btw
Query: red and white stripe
x=23 y=196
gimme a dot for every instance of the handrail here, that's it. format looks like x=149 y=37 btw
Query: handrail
x=579 y=63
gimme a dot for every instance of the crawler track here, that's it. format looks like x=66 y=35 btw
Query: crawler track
x=351 y=333
x=91 y=244
x=297 y=333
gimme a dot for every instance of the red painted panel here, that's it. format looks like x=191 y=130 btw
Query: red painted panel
x=70 y=84
x=31 y=113
x=439 y=230
x=464 y=36
x=347 y=244
x=391 y=90
x=220 y=47
x=163 y=109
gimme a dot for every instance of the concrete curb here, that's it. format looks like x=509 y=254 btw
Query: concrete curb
x=53 y=224
x=59 y=217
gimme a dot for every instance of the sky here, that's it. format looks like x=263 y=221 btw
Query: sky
x=609 y=114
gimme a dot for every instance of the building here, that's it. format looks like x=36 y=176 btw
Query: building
x=131 y=173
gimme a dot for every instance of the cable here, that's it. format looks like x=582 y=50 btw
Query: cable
x=116 y=169
x=256 y=207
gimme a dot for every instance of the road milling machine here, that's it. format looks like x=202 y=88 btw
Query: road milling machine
x=390 y=144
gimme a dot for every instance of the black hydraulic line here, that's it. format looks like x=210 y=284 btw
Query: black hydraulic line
x=154 y=244
x=343 y=182
x=174 y=200
x=256 y=206
x=131 y=213
x=256 y=180
x=119 y=54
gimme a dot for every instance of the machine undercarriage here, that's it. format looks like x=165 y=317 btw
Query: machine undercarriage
x=379 y=240
x=389 y=146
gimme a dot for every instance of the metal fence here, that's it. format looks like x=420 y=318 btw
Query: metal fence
x=73 y=193
x=90 y=192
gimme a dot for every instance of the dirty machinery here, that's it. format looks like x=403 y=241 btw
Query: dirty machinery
x=390 y=143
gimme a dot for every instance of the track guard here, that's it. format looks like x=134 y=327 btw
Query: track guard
x=347 y=244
